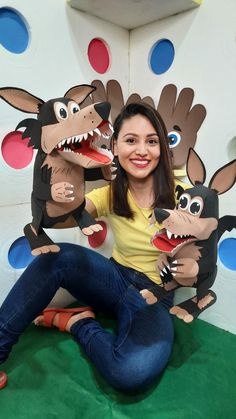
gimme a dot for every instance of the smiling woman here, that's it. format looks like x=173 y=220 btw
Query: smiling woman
x=140 y=141
x=138 y=148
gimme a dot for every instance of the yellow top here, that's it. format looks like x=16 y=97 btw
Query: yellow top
x=132 y=247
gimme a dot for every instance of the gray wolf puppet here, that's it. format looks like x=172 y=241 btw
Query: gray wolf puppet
x=188 y=240
x=65 y=137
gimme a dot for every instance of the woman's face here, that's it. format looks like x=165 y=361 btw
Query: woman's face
x=137 y=147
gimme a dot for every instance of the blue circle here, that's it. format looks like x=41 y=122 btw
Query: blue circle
x=227 y=253
x=161 y=56
x=19 y=255
x=14 y=35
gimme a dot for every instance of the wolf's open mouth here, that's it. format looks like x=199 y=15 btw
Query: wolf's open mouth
x=168 y=242
x=85 y=143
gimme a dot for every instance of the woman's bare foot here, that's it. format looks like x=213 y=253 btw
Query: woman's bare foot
x=39 y=321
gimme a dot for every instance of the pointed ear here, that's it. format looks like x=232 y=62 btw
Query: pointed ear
x=80 y=92
x=179 y=190
x=224 y=178
x=21 y=99
x=195 y=168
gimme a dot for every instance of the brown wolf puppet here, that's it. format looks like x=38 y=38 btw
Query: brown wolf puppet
x=188 y=240
x=65 y=137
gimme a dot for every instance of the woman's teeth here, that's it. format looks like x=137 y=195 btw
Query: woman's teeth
x=140 y=162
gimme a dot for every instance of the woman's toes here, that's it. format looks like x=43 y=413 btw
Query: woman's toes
x=38 y=321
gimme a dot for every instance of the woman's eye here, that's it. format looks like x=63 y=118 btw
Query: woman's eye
x=174 y=138
x=153 y=141
x=130 y=140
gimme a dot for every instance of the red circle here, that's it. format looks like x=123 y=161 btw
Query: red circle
x=99 y=56
x=3 y=379
x=97 y=239
x=15 y=150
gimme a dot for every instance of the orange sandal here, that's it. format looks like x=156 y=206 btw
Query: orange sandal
x=3 y=379
x=64 y=316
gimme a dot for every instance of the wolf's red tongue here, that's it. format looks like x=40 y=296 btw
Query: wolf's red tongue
x=163 y=243
x=91 y=153
x=94 y=155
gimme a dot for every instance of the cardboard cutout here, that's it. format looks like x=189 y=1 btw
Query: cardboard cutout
x=66 y=139
x=181 y=119
x=188 y=240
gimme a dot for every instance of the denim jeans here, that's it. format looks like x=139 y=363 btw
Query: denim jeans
x=129 y=359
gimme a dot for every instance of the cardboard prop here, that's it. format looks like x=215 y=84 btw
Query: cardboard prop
x=182 y=120
x=65 y=137
x=188 y=240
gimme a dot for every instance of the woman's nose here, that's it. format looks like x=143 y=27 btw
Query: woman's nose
x=141 y=149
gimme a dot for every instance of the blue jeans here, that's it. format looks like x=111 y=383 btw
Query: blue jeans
x=130 y=359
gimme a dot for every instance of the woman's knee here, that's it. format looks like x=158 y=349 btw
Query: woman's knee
x=53 y=261
x=137 y=373
x=131 y=381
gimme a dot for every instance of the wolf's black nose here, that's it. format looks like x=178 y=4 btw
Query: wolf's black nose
x=161 y=214
x=103 y=109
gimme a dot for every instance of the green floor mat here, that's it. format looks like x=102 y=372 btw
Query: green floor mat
x=50 y=377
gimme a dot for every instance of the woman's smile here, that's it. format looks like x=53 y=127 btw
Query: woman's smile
x=140 y=163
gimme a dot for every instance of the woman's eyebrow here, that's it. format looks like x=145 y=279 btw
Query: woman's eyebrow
x=153 y=134
x=136 y=135
x=131 y=133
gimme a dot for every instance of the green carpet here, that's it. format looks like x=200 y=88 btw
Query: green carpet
x=49 y=377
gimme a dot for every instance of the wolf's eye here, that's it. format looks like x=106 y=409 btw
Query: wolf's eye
x=74 y=107
x=184 y=201
x=63 y=113
x=174 y=138
x=196 y=206
x=61 y=110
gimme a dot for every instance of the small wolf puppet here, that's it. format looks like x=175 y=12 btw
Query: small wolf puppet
x=66 y=138
x=188 y=240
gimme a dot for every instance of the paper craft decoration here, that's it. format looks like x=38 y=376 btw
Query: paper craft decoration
x=181 y=119
x=66 y=139
x=188 y=240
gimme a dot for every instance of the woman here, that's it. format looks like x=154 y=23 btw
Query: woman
x=134 y=357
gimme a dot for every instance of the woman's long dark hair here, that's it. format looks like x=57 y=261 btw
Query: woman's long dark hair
x=162 y=175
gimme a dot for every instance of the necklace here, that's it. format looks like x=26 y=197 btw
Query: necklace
x=142 y=200
x=146 y=211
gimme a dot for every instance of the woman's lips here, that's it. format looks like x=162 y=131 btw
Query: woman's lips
x=140 y=163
